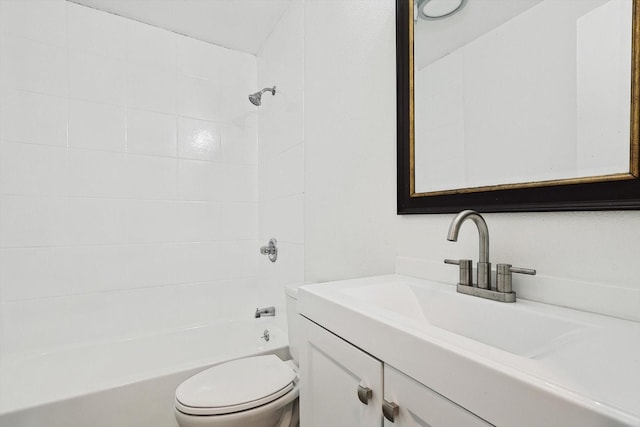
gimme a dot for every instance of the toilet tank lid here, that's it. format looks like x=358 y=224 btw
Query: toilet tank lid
x=236 y=382
x=292 y=290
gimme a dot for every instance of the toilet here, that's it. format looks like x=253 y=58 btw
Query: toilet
x=258 y=391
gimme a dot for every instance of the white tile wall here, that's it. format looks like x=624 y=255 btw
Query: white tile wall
x=283 y=217
x=33 y=66
x=33 y=118
x=37 y=20
x=199 y=140
x=96 y=78
x=97 y=126
x=151 y=46
x=281 y=155
x=150 y=133
x=27 y=169
x=246 y=150
x=199 y=98
x=199 y=59
x=94 y=31
x=153 y=89
x=128 y=202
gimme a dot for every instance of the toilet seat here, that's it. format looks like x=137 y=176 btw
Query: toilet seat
x=236 y=386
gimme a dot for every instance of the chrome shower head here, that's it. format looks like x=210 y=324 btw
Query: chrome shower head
x=256 y=98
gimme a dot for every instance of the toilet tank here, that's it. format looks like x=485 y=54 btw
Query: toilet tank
x=293 y=322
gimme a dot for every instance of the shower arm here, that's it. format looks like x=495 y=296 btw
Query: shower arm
x=269 y=89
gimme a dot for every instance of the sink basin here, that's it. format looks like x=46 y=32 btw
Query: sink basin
x=513 y=329
x=507 y=363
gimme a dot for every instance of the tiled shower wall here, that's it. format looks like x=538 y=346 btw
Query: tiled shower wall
x=281 y=155
x=128 y=178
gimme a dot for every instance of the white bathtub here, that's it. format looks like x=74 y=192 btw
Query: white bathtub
x=129 y=382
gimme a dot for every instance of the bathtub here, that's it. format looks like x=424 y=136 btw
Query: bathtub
x=126 y=382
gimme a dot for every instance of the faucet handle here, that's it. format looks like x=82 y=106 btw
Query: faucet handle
x=466 y=270
x=520 y=270
x=503 y=276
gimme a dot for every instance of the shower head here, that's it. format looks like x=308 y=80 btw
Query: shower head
x=256 y=98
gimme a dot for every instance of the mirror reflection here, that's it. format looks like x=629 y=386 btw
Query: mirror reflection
x=520 y=91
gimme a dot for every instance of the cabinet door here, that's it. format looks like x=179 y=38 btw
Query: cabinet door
x=419 y=406
x=331 y=372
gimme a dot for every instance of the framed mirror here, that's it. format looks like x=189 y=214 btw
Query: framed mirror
x=517 y=105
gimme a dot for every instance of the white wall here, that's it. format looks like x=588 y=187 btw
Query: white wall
x=281 y=156
x=584 y=259
x=349 y=133
x=128 y=178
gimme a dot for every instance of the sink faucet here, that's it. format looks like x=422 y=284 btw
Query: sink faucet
x=484 y=266
x=504 y=290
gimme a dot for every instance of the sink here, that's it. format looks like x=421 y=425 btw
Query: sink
x=504 y=362
x=509 y=327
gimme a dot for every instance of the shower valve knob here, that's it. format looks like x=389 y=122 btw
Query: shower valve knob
x=270 y=250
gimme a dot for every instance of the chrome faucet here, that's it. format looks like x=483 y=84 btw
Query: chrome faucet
x=267 y=311
x=484 y=266
x=503 y=291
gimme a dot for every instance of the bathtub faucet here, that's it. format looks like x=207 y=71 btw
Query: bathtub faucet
x=268 y=311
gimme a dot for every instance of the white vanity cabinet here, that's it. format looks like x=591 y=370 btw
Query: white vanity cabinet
x=419 y=406
x=336 y=375
x=331 y=372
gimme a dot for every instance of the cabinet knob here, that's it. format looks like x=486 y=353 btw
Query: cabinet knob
x=364 y=394
x=390 y=410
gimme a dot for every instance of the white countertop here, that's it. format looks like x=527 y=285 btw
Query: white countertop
x=590 y=377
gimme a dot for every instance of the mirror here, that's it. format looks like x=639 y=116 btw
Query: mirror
x=517 y=105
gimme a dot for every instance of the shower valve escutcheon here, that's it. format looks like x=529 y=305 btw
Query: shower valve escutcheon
x=503 y=291
x=270 y=250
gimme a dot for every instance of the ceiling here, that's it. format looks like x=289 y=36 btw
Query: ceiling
x=435 y=39
x=241 y=25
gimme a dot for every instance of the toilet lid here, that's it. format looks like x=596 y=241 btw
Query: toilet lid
x=235 y=386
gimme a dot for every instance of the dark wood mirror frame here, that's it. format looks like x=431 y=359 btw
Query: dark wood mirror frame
x=611 y=192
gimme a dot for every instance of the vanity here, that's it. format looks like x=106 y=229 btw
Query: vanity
x=404 y=351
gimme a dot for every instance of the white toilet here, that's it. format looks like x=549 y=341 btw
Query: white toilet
x=259 y=391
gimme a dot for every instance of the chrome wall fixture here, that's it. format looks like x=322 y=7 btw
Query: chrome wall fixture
x=270 y=249
x=267 y=311
x=256 y=98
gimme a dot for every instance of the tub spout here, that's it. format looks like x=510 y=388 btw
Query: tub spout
x=267 y=311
